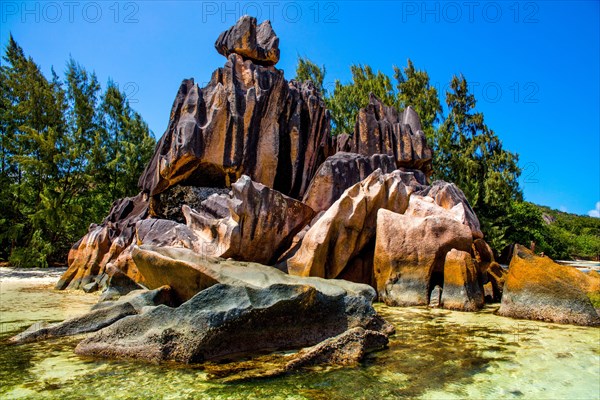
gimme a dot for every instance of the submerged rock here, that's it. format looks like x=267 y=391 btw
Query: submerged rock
x=538 y=288
x=346 y=349
x=102 y=315
x=230 y=320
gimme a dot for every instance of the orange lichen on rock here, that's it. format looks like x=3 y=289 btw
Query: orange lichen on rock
x=461 y=282
x=538 y=288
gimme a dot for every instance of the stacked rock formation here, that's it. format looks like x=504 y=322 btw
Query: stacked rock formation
x=249 y=120
x=247 y=171
x=401 y=237
x=255 y=230
x=381 y=129
x=251 y=126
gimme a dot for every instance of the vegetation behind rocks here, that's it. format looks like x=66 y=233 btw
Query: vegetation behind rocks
x=467 y=152
x=67 y=151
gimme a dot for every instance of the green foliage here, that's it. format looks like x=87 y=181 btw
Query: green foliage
x=61 y=159
x=576 y=224
x=575 y=236
x=524 y=224
x=67 y=150
x=36 y=254
x=465 y=150
x=594 y=298
x=306 y=70
x=348 y=99
x=415 y=90
x=559 y=235
x=412 y=88
x=557 y=244
x=586 y=246
x=470 y=154
x=124 y=144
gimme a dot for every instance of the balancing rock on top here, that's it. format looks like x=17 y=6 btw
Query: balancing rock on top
x=256 y=43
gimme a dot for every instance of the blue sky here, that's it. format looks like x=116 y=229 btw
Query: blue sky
x=533 y=65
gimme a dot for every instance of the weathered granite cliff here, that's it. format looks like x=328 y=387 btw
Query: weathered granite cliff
x=247 y=121
x=267 y=233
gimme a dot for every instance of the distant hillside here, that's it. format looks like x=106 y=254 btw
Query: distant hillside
x=570 y=235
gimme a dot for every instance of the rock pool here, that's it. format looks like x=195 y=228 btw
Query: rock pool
x=435 y=354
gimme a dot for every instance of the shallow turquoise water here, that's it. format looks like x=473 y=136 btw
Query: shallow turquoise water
x=435 y=354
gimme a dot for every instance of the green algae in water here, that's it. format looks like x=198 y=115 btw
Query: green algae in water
x=435 y=354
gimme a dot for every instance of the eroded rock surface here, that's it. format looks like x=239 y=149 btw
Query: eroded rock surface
x=538 y=288
x=410 y=253
x=343 y=170
x=257 y=43
x=188 y=272
x=168 y=204
x=103 y=243
x=462 y=286
x=340 y=243
x=247 y=120
x=259 y=226
x=450 y=197
x=154 y=232
x=381 y=129
x=275 y=311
